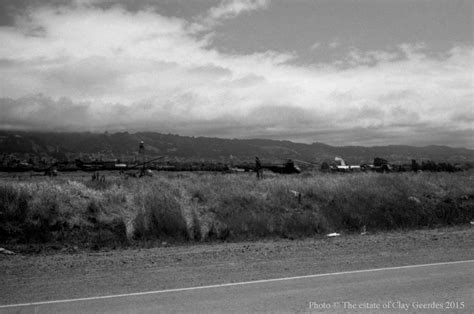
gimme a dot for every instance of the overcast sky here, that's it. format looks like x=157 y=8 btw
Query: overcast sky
x=340 y=72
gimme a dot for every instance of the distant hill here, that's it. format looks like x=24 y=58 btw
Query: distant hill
x=213 y=149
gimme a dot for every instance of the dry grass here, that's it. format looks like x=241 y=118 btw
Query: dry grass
x=203 y=206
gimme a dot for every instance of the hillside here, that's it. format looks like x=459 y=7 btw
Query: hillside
x=125 y=145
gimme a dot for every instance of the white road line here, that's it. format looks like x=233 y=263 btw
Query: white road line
x=232 y=284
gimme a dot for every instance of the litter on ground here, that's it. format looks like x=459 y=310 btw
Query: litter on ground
x=5 y=251
x=414 y=199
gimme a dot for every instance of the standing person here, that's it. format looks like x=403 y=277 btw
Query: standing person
x=258 y=168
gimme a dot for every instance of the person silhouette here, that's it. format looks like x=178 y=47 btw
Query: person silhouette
x=258 y=168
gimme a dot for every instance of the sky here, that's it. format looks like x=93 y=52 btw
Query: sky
x=341 y=72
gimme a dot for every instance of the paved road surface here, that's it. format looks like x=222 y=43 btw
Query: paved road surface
x=408 y=289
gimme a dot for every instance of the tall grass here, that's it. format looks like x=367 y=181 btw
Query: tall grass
x=202 y=206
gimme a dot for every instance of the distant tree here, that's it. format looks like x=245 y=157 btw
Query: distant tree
x=414 y=165
x=325 y=167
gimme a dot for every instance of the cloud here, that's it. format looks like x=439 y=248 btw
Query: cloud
x=228 y=9
x=36 y=112
x=315 y=46
x=89 y=68
x=335 y=44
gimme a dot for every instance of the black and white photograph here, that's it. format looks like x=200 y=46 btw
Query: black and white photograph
x=236 y=156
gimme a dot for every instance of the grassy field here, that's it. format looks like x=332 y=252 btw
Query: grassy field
x=73 y=210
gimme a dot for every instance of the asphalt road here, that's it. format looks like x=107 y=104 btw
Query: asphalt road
x=442 y=287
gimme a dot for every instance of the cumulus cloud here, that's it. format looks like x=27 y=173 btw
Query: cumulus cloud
x=334 y=44
x=315 y=46
x=228 y=9
x=36 y=112
x=86 y=68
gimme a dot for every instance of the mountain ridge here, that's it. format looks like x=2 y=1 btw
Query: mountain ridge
x=125 y=145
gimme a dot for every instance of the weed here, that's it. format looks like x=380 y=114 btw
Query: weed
x=199 y=206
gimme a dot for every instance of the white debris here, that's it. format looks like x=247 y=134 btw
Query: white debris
x=334 y=234
x=295 y=193
x=472 y=222
x=414 y=199
x=5 y=251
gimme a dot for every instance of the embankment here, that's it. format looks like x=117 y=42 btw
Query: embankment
x=202 y=207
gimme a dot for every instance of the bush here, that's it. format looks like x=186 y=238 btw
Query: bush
x=160 y=214
x=193 y=206
x=13 y=211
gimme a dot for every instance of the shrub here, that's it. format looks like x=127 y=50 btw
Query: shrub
x=13 y=211
x=193 y=206
x=159 y=214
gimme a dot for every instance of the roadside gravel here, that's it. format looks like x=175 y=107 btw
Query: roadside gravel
x=61 y=275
